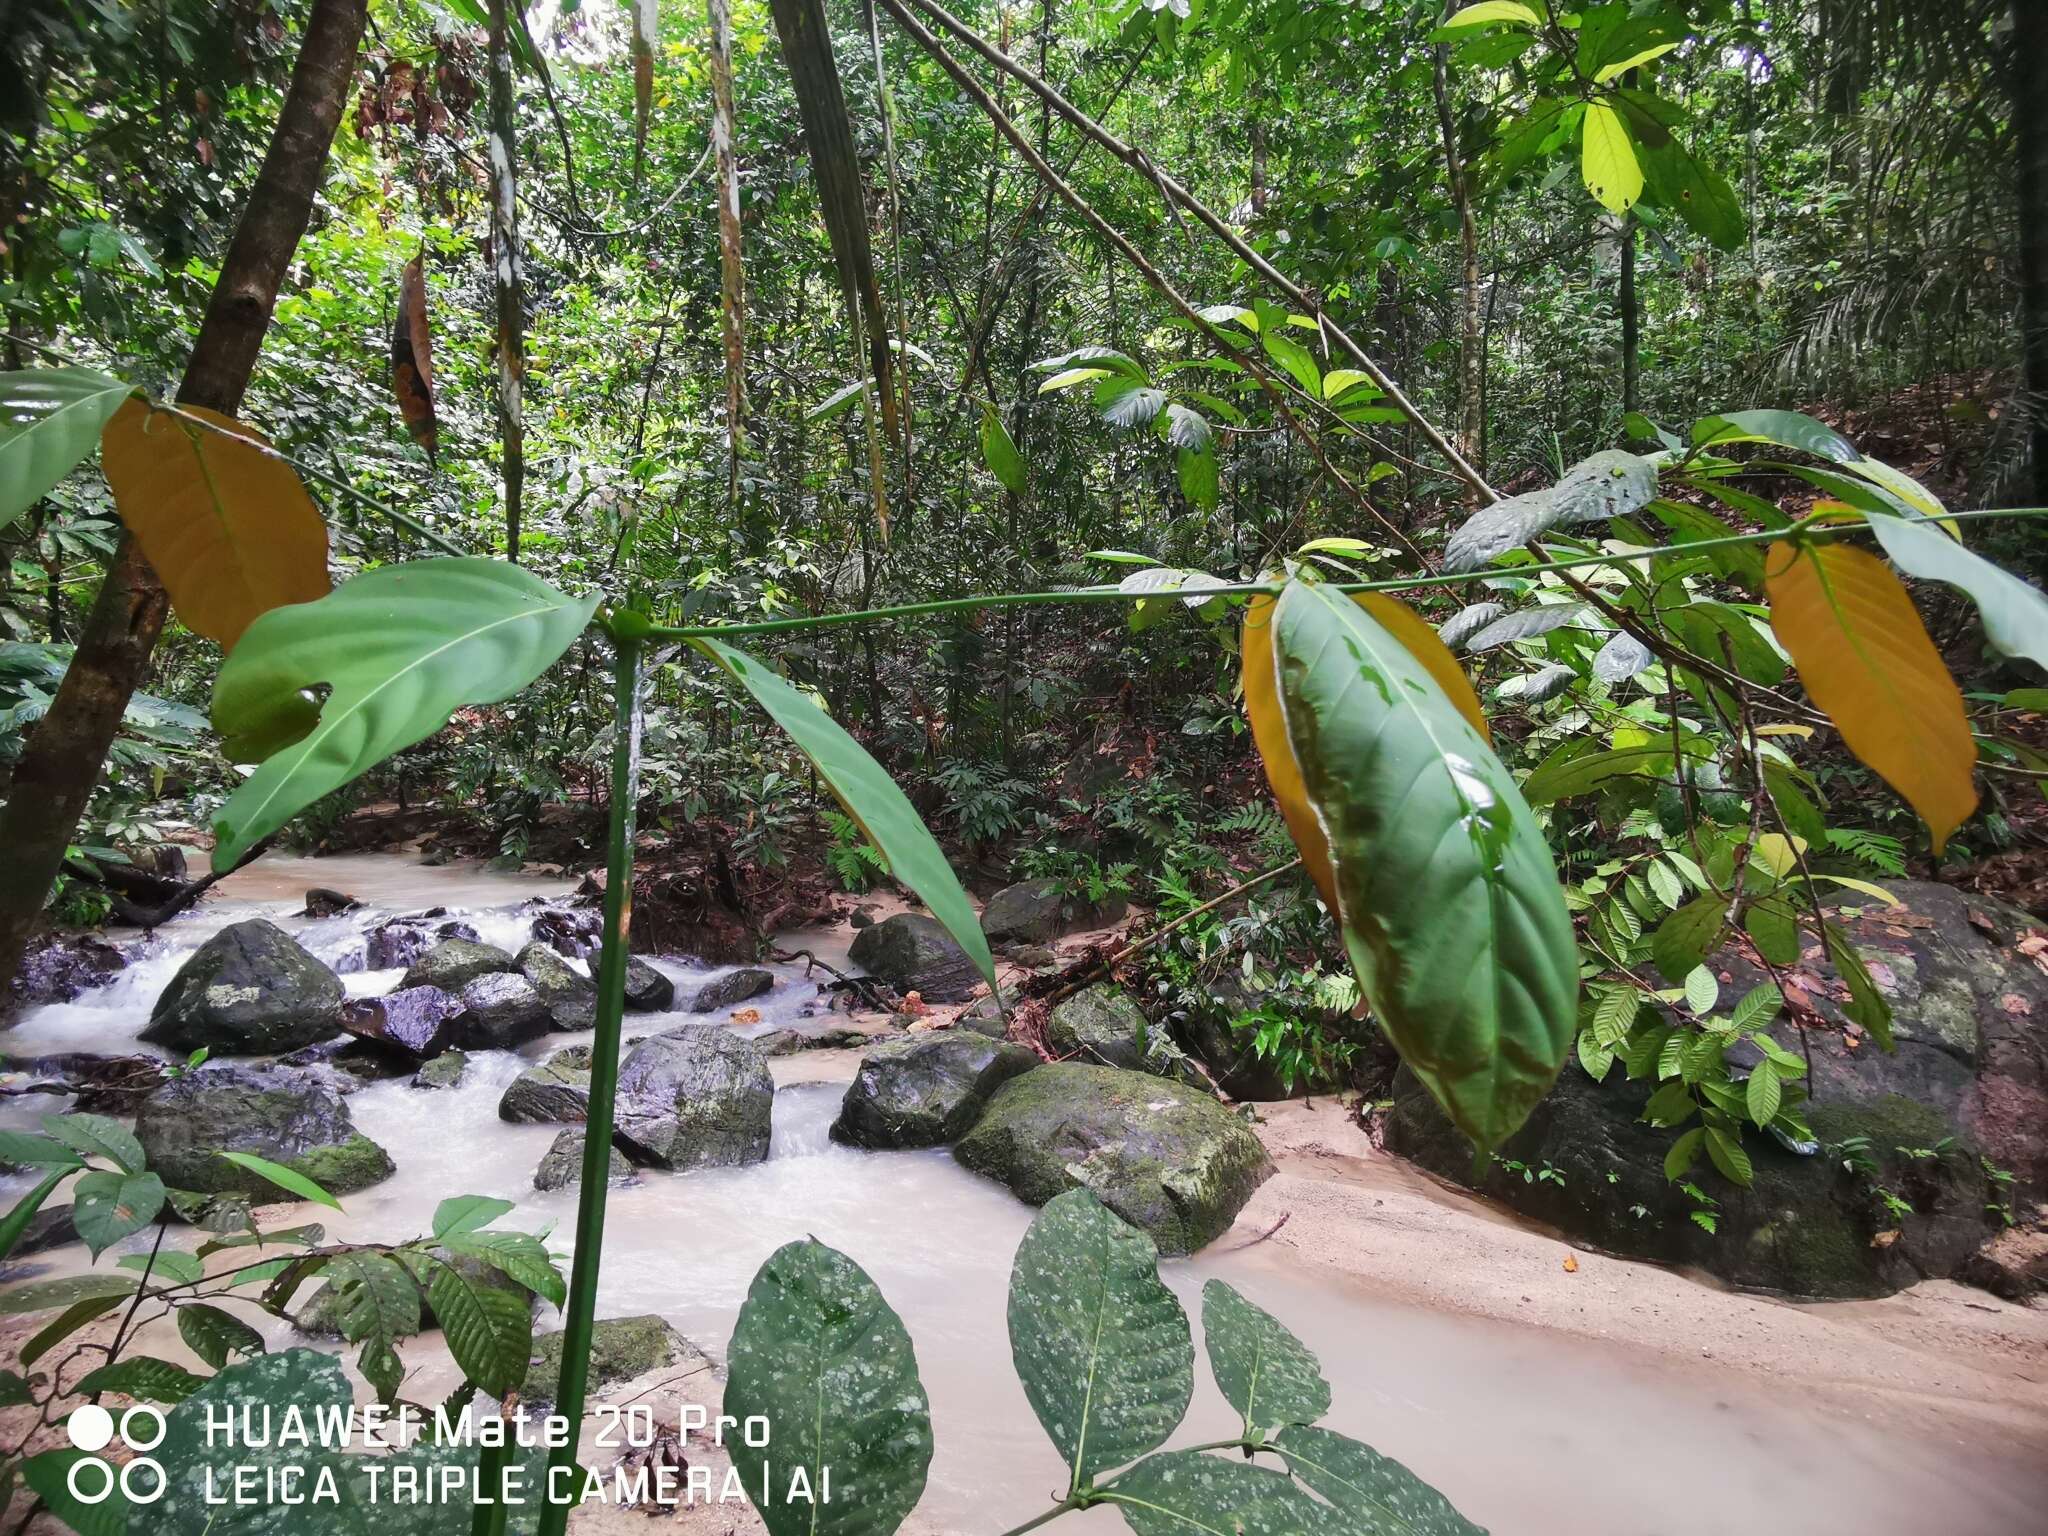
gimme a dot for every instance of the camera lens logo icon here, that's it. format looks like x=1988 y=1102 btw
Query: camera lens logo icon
x=92 y=1479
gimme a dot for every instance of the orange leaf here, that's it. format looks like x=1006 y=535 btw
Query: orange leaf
x=1865 y=658
x=412 y=358
x=227 y=525
x=1269 y=727
x=1571 y=1264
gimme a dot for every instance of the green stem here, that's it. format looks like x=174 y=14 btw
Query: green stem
x=488 y=1518
x=604 y=1068
x=1253 y=588
x=1037 y=1520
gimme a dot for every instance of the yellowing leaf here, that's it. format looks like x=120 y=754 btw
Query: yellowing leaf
x=227 y=525
x=1865 y=658
x=1803 y=732
x=1487 y=13
x=1621 y=67
x=1269 y=730
x=1864 y=887
x=1607 y=159
x=1778 y=855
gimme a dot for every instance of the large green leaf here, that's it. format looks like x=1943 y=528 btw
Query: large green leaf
x=1375 y=1493
x=16 y=1221
x=999 y=452
x=400 y=649
x=50 y=418
x=1102 y=1348
x=49 y=1295
x=2015 y=613
x=489 y=1330
x=1185 y=1493
x=97 y=1136
x=143 y=1376
x=213 y=1335
x=870 y=796
x=49 y=1477
x=1446 y=895
x=1787 y=429
x=107 y=1207
x=1262 y=1369
x=821 y=1356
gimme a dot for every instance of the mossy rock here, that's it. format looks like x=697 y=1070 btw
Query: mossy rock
x=286 y=1117
x=926 y=1089
x=562 y=1164
x=444 y=1071
x=453 y=964
x=556 y=1091
x=621 y=1348
x=1166 y=1157
x=250 y=990
x=1102 y=1024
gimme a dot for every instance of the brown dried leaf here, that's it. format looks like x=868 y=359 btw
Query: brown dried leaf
x=412 y=358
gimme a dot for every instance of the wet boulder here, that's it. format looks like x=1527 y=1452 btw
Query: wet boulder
x=444 y=1071
x=562 y=1164
x=621 y=1348
x=324 y=902
x=60 y=966
x=250 y=990
x=914 y=953
x=284 y=1116
x=415 y=1021
x=695 y=1097
x=1587 y=1163
x=732 y=989
x=571 y=932
x=647 y=990
x=791 y=1039
x=1035 y=912
x=453 y=963
x=569 y=996
x=500 y=1011
x=925 y=1089
x=1166 y=1157
x=1102 y=1024
x=557 y=1090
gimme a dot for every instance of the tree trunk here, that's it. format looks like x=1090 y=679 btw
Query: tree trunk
x=62 y=760
x=1471 y=357
x=2029 y=85
x=1629 y=320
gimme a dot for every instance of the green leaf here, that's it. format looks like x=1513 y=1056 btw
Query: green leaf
x=999 y=452
x=1689 y=935
x=1296 y=359
x=1446 y=894
x=1866 y=1005
x=26 y=1149
x=97 y=1136
x=870 y=797
x=1665 y=882
x=819 y=1353
x=1702 y=990
x=488 y=1330
x=520 y=1256
x=1757 y=1006
x=1487 y=13
x=214 y=1335
x=1184 y=1493
x=1376 y=1492
x=155 y=1381
x=467 y=1213
x=1696 y=191
x=1101 y=1346
x=73 y=1318
x=107 y=1207
x=167 y=1266
x=2015 y=613
x=1597 y=1059
x=1071 y=377
x=375 y=1297
x=1262 y=1369
x=1763 y=1093
x=400 y=648
x=1727 y=1154
x=1787 y=429
x=1607 y=159
x=48 y=1295
x=1198 y=476
x=1774 y=930
x=16 y=1221
x=1525 y=625
x=49 y=1478
x=14 y=1391
x=284 y=1178
x=1684 y=1153
x=1562 y=778
x=1106 y=358
x=840 y=400
x=50 y=419
x=1127 y=404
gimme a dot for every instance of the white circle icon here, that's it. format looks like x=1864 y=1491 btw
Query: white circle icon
x=91 y=1427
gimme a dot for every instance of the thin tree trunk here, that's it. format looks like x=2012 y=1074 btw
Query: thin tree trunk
x=62 y=760
x=1629 y=318
x=1470 y=357
x=2029 y=85
x=508 y=282
x=732 y=274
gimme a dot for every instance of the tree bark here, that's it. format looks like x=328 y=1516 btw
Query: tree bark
x=1630 y=317
x=1471 y=354
x=62 y=760
x=2028 y=79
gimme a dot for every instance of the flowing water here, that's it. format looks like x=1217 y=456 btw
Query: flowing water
x=1527 y=1431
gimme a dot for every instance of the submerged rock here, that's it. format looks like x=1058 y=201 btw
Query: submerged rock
x=250 y=990
x=647 y=990
x=620 y=1349
x=925 y=1090
x=283 y=1116
x=569 y=931
x=695 y=1097
x=556 y=1090
x=1166 y=1157
x=562 y=1164
x=1806 y=1226
x=455 y=962
x=569 y=996
x=1103 y=1025
x=732 y=988
x=792 y=1038
x=500 y=1011
x=60 y=966
x=914 y=953
x=323 y=902
x=417 y=1021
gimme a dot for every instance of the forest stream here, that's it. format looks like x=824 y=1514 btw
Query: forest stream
x=1602 y=1395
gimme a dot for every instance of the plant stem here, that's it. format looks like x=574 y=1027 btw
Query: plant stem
x=1037 y=1520
x=1268 y=588
x=604 y=1067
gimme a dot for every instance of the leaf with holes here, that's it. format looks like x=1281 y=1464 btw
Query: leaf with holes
x=1262 y=1369
x=50 y=420
x=1866 y=660
x=225 y=522
x=400 y=649
x=1445 y=891
x=820 y=1355
x=1101 y=1346
x=869 y=795
x=1607 y=159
